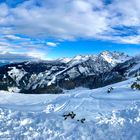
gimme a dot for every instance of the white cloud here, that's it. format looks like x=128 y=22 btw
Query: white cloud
x=52 y=44
x=68 y=20
x=17 y=45
x=37 y=54
x=73 y=19
x=12 y=37
x=131 y=40
x=14 y=57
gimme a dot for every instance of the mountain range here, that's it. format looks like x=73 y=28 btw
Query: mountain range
x=55 y=76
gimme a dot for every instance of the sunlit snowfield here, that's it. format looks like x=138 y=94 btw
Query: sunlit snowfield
x=108 y=116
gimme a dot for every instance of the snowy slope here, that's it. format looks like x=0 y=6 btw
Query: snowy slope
x=109 y=116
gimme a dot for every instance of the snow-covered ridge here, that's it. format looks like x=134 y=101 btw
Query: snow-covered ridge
x=111 y=57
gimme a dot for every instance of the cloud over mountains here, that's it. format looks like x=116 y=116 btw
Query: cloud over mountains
x=34 y=25
x=13 y=57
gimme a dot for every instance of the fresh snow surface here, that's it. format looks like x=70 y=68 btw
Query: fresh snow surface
x=109 y=116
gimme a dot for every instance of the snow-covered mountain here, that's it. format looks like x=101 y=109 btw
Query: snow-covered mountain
x=90 y=71
x=97 y=114
x=111 y=57
x=114 y=57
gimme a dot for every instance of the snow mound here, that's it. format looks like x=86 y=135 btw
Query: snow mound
x=122 y=124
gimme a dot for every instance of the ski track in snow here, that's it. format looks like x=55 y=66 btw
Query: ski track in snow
x=114 y=116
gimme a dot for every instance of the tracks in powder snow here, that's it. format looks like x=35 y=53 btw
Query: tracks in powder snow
x=72 y=104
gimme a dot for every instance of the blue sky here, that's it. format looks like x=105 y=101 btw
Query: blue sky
x=84 y=47
x=50 y=29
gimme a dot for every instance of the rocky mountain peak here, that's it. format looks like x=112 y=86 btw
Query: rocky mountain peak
x=114 y=57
